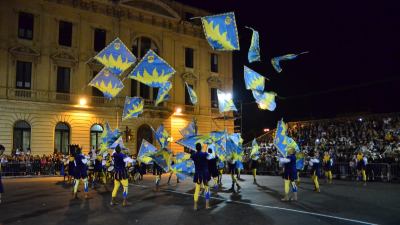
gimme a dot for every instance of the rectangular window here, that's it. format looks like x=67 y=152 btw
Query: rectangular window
x=133 y=88
x=25 y=25
x=144 y=91
x=214 y=63
x=187 y=96
x=189 y=57
x=24 y=75
x=65 y=33
x=96 y=92
x=63 y=79
x=214 y=98
x=99 y=39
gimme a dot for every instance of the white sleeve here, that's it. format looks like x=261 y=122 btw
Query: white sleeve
x=310 y=163
x=314 y=160
x=84 y=161
x=128 y=160
x=211 y=155
x=103 y=162
x=365 y=160
x=284 y=160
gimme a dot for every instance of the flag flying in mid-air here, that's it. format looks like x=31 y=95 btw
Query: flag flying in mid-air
x=108 y=137
x=190 y=129
x=116 y=57
x=192 y=94
x=146 y=151
x=233 y=151
x=181 y=156
x=265 y=100
x=107 y=83
x=152 y=70
x=183 y=169
x=162 y=94
x=253 y=80
x=255 y=149
x=299 y=160
x=254 y=50
x=280 y=140
x=236 y=138
x=225 y=102
x=291 y=143
x=162 y=136
x=163 y=158
x=133 y=107
x=221 y=32
x=277 y=60
x=119 y=142
x=190 y=142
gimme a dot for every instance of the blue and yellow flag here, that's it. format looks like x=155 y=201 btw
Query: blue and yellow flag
x=181 y=156
x=192 y=94
x=190 y=142
x=183 y=169
x=293 y=144
x=133 y=107
x=216 y=136
x=265 y=100
x=225 y=102
x=300 y=161
x=253 y=80
x=107 y=83
x=146 y=151
x=280 y=140
x=254 y=50
x=236 y=138
x=221 y=32
x=190 y=130
x=119 y=142
x=233 y=151
x=162 y=94
x=116 y=57
x=255 y=150
x=277 y=60
x=108 y=137
x=162 y=136
x=152 y=70
x=163 y=159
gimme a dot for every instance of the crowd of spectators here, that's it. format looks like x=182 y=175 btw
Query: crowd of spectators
x=26 y=164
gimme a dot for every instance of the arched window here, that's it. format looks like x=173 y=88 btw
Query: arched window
x=22 y=135
x=139 y=48
x=95 y=134
x=143 y=132
x=61 y=138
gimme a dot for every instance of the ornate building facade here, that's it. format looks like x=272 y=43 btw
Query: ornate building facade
x=46 y=50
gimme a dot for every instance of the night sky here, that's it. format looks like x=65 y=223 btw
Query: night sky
x=352 y=67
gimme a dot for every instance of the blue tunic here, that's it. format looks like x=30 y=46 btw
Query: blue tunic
x=290 y=171
x=119 y=166
x=201 y=174
x=80 y=169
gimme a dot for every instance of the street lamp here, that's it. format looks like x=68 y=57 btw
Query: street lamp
x=266 y=130
x=178 y=111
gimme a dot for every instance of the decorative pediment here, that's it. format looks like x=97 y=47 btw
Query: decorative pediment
x=24 y=51
x=189 y=77
x=153 y=6
x=64 y=58
x=214 y=82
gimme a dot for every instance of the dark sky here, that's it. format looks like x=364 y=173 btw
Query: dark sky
x=352 y=67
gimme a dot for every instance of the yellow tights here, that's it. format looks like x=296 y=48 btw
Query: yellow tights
x=117 y=184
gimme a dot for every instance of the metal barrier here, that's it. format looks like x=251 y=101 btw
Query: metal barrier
x=30 y=168
x=374 y=171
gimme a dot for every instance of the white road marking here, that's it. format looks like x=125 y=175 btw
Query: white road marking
x=269 y=207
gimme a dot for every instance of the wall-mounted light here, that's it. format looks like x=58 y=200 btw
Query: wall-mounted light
x=82 y=101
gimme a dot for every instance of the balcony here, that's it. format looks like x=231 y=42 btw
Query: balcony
x=72 y=99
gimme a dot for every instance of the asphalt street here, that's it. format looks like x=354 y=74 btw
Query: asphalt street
x=49 y=201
